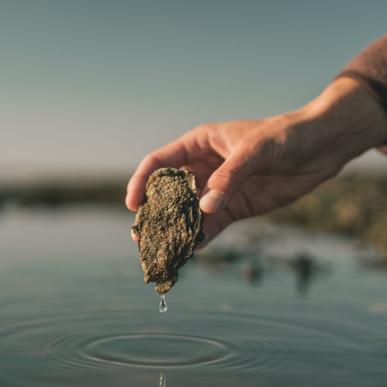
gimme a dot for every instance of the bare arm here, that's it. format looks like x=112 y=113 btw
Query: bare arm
x=247 y=168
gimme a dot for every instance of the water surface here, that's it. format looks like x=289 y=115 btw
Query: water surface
x=75 y=312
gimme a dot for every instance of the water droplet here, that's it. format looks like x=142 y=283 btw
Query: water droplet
x=163 y=379
x=163 y=305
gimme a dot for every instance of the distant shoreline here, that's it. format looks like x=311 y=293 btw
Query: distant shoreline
x=353 y=205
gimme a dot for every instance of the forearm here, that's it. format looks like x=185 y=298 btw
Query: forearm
x=344 y=119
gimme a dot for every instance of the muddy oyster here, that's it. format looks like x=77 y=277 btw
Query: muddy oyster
x=168 y=226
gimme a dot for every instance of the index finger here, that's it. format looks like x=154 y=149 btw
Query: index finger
x=171 y=155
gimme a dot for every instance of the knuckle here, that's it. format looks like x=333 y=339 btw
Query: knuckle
x=209 y=129
x=223 y=178
x=150 y=159
x=222 y=175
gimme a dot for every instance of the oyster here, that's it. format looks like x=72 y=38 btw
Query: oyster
x=168 y=225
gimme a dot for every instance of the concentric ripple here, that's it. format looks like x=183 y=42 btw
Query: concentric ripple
x=156 y=351
x=108 y=344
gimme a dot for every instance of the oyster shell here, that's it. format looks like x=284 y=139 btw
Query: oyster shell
x=168 y=226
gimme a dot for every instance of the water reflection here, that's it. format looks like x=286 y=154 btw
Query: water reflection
x=163 y=379
x=104 y=328
x=305 y=268
x=254 y=266
x=253 y=272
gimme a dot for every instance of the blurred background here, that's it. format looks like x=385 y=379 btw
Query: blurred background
x=96 y=85
x=88 y=88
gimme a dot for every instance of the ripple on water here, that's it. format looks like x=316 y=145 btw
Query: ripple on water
x=216 y=342
x=156 y=350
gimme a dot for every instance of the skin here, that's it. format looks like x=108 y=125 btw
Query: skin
x=246 y=168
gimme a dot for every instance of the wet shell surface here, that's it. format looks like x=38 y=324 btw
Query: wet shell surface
x=168 y=226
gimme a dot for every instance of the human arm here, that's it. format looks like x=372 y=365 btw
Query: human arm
x=369 y=67
x=247 y=168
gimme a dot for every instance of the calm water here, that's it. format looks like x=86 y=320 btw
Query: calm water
x=75 y=312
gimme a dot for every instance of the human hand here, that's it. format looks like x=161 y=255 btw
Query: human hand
x=247 y=168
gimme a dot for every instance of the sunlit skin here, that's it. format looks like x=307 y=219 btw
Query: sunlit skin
x=246 y=168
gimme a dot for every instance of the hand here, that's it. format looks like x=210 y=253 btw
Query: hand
x=247 y=168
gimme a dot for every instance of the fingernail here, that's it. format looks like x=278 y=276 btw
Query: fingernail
x=212 y=201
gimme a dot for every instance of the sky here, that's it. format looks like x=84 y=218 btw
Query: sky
x=98 y=84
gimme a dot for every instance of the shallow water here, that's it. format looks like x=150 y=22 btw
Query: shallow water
x=75 y=312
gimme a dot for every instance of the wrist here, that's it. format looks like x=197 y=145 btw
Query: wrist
x=346 y=119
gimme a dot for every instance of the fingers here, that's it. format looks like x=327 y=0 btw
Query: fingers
x=213 y=225
x=224 y=182
x=171 y=155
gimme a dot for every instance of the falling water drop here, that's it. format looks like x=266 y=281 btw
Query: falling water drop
x=163 y=379
x=163 y=305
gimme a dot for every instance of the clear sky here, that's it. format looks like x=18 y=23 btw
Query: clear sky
x=97 y=84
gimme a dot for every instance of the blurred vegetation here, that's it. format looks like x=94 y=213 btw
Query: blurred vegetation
x=353 y=206
x=63 y=192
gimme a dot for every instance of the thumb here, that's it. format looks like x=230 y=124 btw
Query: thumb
x=223 y=183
